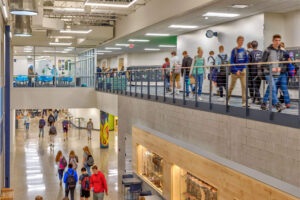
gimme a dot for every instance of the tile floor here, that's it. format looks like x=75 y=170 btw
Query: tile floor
x=34 y=170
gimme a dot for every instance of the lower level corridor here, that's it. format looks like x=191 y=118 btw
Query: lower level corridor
x=34 y=171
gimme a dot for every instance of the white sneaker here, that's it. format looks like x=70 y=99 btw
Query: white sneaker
x=220 y=99
x=177 y=92
x=199 y=98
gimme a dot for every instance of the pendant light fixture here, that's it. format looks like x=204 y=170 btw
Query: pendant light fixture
x=22 y=26
x=23 y=7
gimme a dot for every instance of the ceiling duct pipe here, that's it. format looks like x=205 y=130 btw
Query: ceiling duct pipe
x=22 y=26
x=23 y=7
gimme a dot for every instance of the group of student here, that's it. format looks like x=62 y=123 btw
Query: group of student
x=194 y=70
x=67 y=174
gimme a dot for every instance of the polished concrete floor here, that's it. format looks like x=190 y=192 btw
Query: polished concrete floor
x=34 y=170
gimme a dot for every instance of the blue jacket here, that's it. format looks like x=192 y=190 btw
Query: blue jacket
x=70 y=170
x=241 y=57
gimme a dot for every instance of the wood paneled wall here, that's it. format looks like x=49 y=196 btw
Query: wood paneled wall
x=231 y=185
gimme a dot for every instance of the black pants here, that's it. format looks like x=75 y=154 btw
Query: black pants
x=254 y=86
x=71 y=191
x=221 y=83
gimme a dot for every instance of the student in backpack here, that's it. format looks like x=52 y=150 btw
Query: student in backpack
x=65 y=125
x=55 y=114
x=254 y=79
x=73 y=159
x=52 y=134
x=221 y=59
x=89 y=127
x=88 y=160
x=51 y=119
x=213 y=72
x=70 y=180
x=98 y=183
x=61 y=165
x=42 y=124
x=27 y=122
x=85 y=182
x=239 y=55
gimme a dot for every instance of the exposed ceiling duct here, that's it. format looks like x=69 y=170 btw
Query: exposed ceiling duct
x=22 y=26
x=23 y=7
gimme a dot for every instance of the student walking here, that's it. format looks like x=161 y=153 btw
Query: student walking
x=70 y=180
x=254 y=80
x=27 y=122
x=88 y=159
x=211 y=61
x=239 y=55
x=166 y=73
x=56 y=114
x=85 y=182
x=42 y=124
x=52 y=134
x=274 y=73
x=185 y=71
x=51 y=119
x=98 y=183
x=65 y=125
x=89 y=127
x=284 y=74
x=175 y=72
x=61 y=165
x=221 y=59
x=44 y=112
x=198 y=72
x=73 y=159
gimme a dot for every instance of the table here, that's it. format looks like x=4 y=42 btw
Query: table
x=129 y=181
x=153 y=197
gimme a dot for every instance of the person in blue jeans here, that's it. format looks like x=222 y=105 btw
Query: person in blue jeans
x=198 y=72
x=187 y=62
x=70 y=187
x=275 y=74
x=166 y=73
x=42 y=124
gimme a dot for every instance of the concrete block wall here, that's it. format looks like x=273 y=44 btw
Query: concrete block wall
x=268 y=148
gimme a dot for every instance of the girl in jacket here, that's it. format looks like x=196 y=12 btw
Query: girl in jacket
x=73 y=159
x=86 y=154
x=61 y=165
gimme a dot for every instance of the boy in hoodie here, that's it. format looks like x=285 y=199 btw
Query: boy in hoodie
x=70 y=180
x=273 y=72
x=239 y=55
x=98 y=183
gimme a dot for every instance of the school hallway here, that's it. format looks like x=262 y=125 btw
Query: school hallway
x=34 y=171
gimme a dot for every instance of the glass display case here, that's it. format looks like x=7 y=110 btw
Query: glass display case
x=193 y=188
x=152 y=168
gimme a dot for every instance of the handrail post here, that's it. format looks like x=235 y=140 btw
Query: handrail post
x=130 y=79
x=142 y=95
x=164 y=71
x=184 y=86
x=135 y=89
x=227 y=80
x=156 y=76
x=196 y=87
x=270 y=91
x=148 y=89
x=210 y=87
x=173 y=71
x=247 y=92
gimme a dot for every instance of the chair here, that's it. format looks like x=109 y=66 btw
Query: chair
x=127 y=176
x=134 y=192
x=145 y=193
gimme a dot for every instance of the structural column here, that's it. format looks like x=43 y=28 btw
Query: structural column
x=104 y=130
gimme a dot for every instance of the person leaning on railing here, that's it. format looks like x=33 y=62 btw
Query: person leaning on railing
x=275 y=74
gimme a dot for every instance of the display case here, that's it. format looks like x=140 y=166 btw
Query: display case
x=193 y=188
x=152 y=168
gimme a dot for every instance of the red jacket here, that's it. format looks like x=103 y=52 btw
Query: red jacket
x=98 y=182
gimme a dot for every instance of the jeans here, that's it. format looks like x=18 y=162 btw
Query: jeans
x=71 y=193
x=60 y=173
x=187 y=84
x=44 y=112
x=282 y=84
x=27 y=126
x=254 y=86
x=98 y=196
x=167 y=80
x=198 y=80
x=275 y=82
x=42 y=132
x=88 y=169
x=29 y=81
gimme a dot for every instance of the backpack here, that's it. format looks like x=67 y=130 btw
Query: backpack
x=85 y=184
x=214 y=60
x=65 y=125
x=71 y=181
x=74 y=162
x=90 y=160
x=41 y=125
x=224 y=61
x=51 y=119
x=52 y=130
x=63 y=163
x=89 y=126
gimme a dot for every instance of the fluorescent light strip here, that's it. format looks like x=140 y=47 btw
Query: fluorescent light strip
x=62 y=37
x=151 y=49
x=158 y=34
x=22 y=35
x=167 y=46
x=70 y=9
x=239 y=6
x=60 y=44
x=113 y=48
x=76 y=31
x=100 y=53
x=5 y=12
x=183 y=26
x=123 y=45
x=138 y=40
x=23 y=12
x=110 y=5
x=103 y=51
x=215 y=14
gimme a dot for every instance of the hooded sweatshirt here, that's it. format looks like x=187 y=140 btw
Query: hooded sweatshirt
x=274 y=55
x=238 y=56
x=98 y=182
x=70 y=171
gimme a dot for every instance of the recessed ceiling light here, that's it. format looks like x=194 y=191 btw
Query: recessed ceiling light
x=23 y=12
x=62 y=37
x=215 y=14
x=239 y=6
x=113 y=48
x=60 y=43
x=103 y=51
x=151 y=49
x=167 y=46
x=206 y=18
x=100 y=53
x=110 y=4
x=22 y=34
x=158 y=34
x=76 y=31
x=5 y=12
x=123 y=45
x=183 y=26
x=138 y=40
x=69 y=9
